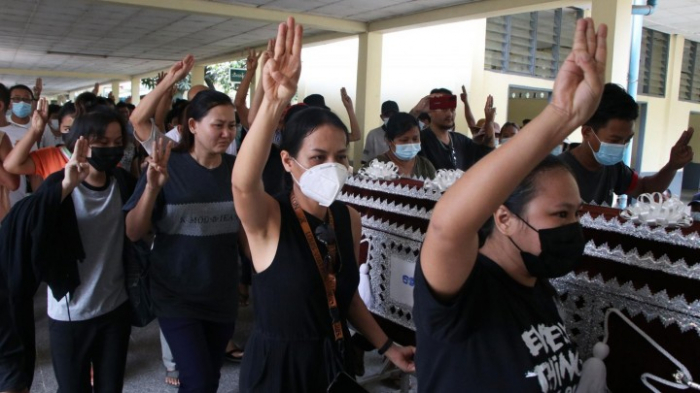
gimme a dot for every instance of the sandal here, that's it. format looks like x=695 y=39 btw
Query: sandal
x=235 y=355
x=172 y=378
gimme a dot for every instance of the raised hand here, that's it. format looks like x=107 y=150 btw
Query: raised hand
x=40 y=116
x=77 y=168
x=489 y=110
x=110 y=96
x=282 y=70
x=579 y=83
x=251 y=62
x=463 y=96
x=179 y=70
x=96 y=89
x=38 y=88
x=157 y=172
x=159 y=78
x=347 y=101
x=422 y=106
x=681 y=152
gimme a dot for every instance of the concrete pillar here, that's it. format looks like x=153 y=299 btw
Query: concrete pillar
x=618 y=16
x=135 y=90
x=115 y=90
x=369 y=83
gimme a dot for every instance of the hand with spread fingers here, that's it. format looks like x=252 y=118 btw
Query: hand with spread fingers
x=281 y=72
x=580 y=80
x=157 y=172
x=681 y=152
x=77 y=169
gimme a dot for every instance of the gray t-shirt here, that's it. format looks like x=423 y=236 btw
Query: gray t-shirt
x=101 y=225
x=598 y=186
x=375 y=144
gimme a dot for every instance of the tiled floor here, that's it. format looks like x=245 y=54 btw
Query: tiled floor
x=144 y=369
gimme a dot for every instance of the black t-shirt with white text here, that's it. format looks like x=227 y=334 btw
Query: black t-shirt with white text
x=466 y=151
x=496 y=335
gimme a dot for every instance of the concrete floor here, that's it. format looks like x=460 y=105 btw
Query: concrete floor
x=144 y=369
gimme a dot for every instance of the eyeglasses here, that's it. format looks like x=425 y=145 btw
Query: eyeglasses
x=325 y=234
x=17 y=100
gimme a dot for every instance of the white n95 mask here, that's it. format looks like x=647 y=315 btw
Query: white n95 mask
x=323 y=182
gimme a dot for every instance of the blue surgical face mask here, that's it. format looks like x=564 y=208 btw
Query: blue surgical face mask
x=608 y=153
x=385 y=120
x=504 y=140
x=407 y=151
x=556 y=151
x=421 y=125
x=21 y=109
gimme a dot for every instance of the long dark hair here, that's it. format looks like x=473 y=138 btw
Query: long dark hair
x=303 y=123
x=93 y=125
x=198 y=109
x=522 y=195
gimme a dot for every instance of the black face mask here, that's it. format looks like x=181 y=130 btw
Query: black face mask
x=562 y=249
x=105 y=159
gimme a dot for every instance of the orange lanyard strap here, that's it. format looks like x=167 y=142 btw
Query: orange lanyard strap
x=326 y=273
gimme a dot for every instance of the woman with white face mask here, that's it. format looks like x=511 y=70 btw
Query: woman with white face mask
x=403 y=138
x=304 y=244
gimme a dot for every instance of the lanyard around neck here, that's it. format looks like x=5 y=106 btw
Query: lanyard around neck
x=328 y=277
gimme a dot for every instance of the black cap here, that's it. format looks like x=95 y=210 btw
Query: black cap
x=695 y=200
x=316 y=100
x=390 y=107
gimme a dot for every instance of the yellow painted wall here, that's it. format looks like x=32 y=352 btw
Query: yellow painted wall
x=523 y=108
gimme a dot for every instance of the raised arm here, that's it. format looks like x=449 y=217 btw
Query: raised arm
x=486 y=136
x=451 y=242
x=258 y=211
x=355 y=131
x=164 y=104
x=259 y=90
x=7 y=179
x=467 y=110
x=18 y=160
x=251 y=66
x=681 y=155
x=422 y=106
x=146 y=109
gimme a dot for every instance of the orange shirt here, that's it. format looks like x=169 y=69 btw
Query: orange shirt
x=49 y=160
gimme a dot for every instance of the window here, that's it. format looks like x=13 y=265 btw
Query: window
x=690 y=72
x=534 y=43
x=653 y=59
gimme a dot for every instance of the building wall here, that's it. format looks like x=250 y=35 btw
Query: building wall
x=452 y=55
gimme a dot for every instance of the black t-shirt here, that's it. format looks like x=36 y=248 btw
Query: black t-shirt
x=598 y=186
x=494 y=336
x=194 y=261
x=462 y=149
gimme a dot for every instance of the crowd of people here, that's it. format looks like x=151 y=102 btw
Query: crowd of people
x=208 y=184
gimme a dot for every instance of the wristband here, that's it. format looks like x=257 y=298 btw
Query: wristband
x=385 y=347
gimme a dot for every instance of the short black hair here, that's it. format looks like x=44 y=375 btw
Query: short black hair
x=4 y=95
x=441 y=90
x=424 y=116
x=399 y=124
x=615 y=104
x=53 y=109
x=22 y=87
x=93 y=125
